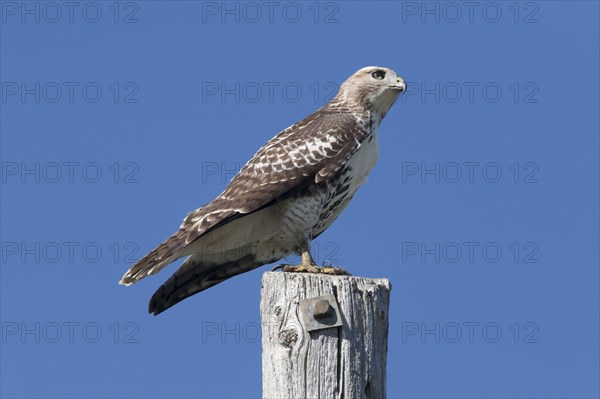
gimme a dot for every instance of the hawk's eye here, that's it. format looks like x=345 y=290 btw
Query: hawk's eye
x=378 y=74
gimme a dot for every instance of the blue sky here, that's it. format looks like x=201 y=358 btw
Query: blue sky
x=119 y=118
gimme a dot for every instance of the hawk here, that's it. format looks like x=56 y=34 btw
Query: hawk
x=291 y=190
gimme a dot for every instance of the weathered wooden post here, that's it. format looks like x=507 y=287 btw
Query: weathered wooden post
x=324 y=336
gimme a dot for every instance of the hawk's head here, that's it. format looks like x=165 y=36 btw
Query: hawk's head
x=374 y=88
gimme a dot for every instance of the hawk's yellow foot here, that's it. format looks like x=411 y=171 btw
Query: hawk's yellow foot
x=309 y=266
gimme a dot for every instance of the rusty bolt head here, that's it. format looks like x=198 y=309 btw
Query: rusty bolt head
x=321 y=308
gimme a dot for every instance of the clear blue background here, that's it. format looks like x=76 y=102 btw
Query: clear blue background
x=173 y=133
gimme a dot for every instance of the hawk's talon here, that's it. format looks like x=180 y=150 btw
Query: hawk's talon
x=279 y=266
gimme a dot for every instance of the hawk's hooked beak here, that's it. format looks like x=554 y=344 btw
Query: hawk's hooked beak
x=399 y=85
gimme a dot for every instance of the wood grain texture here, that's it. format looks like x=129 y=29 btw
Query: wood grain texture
x=339 y=362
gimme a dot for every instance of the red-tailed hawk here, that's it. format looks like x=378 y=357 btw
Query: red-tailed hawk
x=291 y=190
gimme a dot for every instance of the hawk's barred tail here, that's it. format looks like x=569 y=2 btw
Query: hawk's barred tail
x=156 y=260
x=196 y=275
